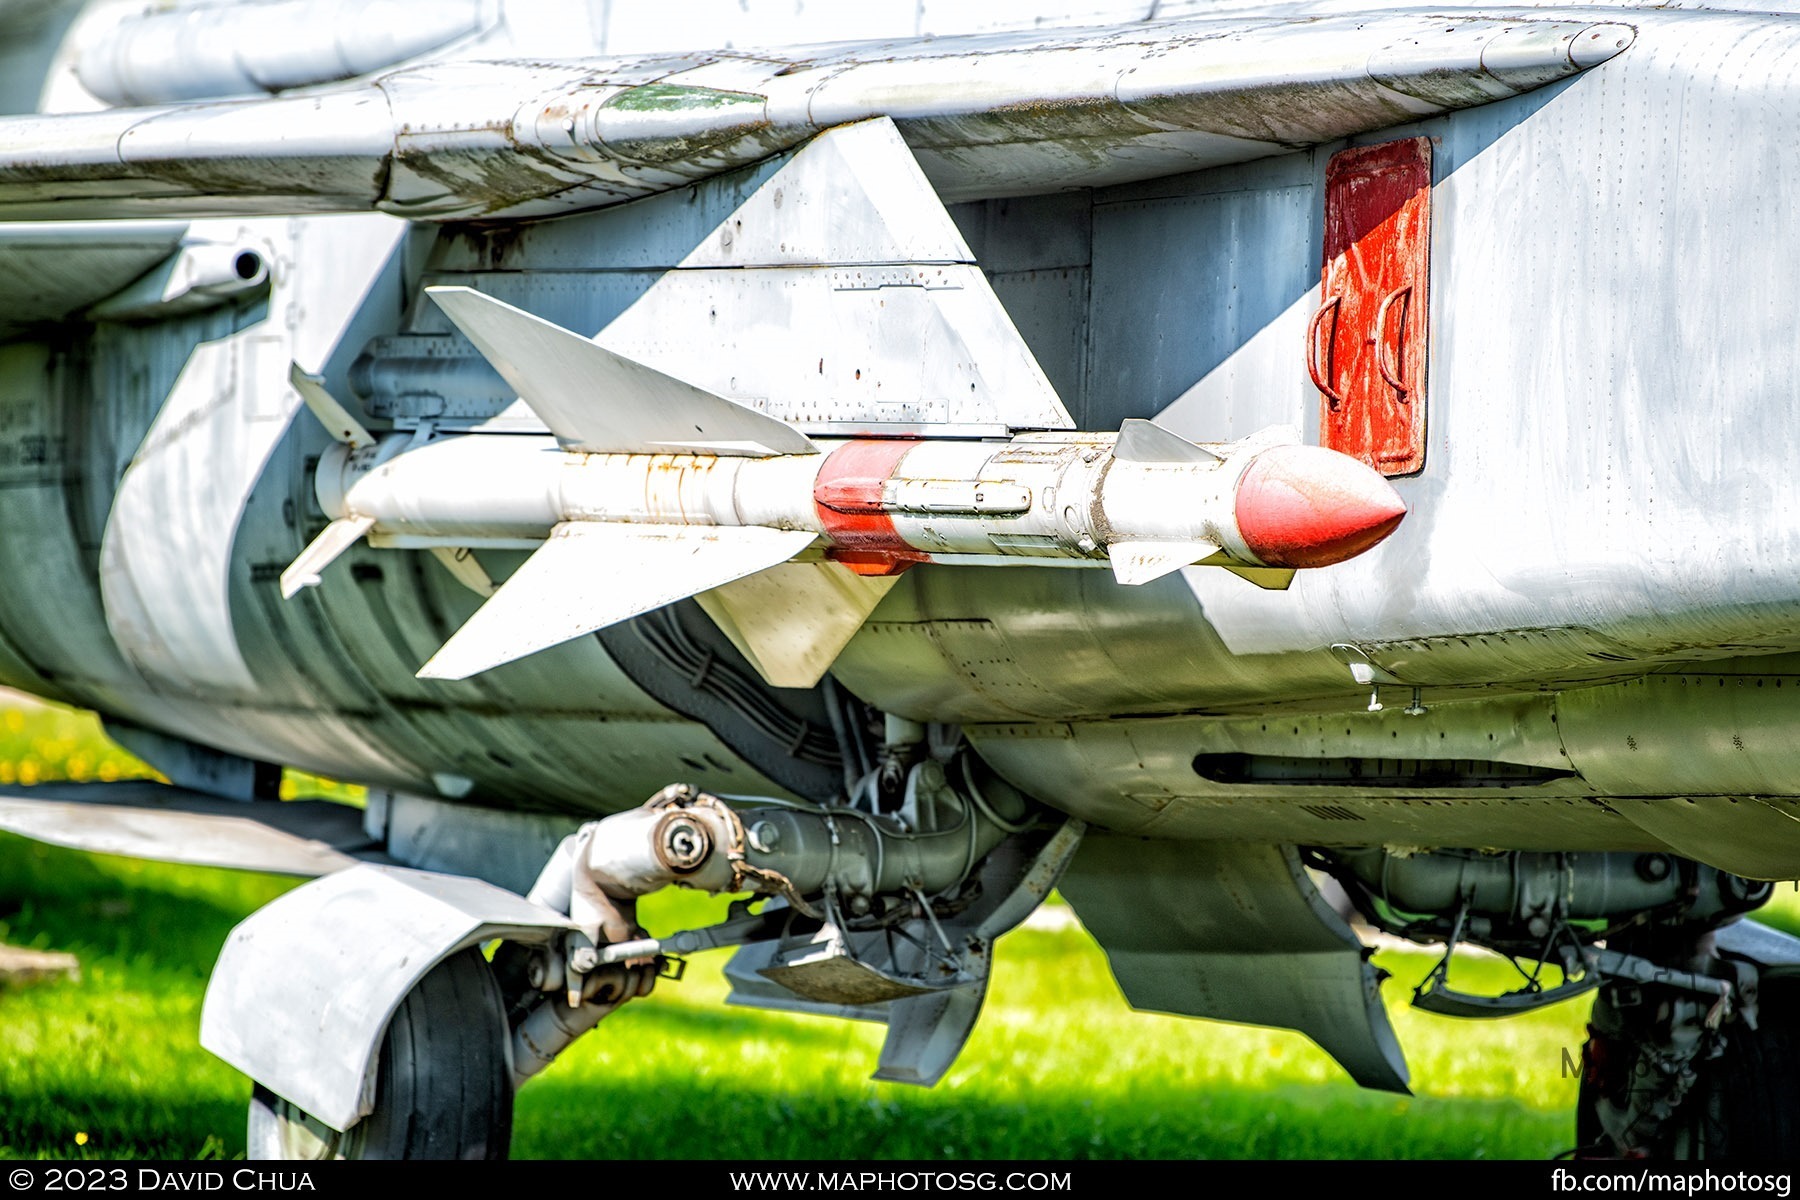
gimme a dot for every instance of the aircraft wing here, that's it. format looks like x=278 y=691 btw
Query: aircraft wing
x=987 y=115
x=49 y=270
x=145 y=819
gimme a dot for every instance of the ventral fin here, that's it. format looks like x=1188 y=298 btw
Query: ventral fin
x=1141 y=562
x=591 y=574
x=854 y=194
x=791 y=621
x=600 y=402
x=840 y=295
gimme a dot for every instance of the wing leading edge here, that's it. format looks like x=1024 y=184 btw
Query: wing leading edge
x=987 y=116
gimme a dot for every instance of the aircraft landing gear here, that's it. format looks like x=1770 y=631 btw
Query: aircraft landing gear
x=1694 y=1047
x=889 y=914
x=1661 y=1080
x=443 y=1088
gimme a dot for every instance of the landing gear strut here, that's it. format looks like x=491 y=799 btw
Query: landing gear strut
x=1665 y=1076
x=1692 y=1047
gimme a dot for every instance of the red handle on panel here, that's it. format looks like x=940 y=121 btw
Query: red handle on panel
x=1322 y=378
x=1390 y=371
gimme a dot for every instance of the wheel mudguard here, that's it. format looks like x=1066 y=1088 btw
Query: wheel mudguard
x=304 y=988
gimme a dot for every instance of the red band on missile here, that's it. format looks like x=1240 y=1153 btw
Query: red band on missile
x=847 y=496
x=1303 y=506
x=877 y=564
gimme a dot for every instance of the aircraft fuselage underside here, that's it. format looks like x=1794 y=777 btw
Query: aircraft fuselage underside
x=1635 y=482
x=1351 y=447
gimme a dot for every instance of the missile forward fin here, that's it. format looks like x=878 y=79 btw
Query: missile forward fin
x=324 y=550
x=1141 y=562
x=1272 y=579
x=592 y=574
x=1146 y=441
x=600 y=402
x=792 y=620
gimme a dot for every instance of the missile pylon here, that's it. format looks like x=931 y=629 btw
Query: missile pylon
x=661 y=491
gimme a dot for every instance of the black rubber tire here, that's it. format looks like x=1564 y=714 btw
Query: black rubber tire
x=443 y=1089
x=1750 y=1102
x=1746 y=1104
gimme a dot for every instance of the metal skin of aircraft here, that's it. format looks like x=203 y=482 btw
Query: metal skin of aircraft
x=893 y=459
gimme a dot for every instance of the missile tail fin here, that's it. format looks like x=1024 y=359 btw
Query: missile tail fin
x=600 y=402
x=791 y=620
x=591 y=574
x=332 y=415
x=324 y=550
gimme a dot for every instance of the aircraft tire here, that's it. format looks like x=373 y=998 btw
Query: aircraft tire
x=1746 y=1104
x=443 y=1088
x=1749 y=1107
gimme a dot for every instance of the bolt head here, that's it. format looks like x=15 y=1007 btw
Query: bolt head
x=764 y=836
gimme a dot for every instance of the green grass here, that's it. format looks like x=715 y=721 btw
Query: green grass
x=113 y=1060
x=1057 y=1068
x=41 y=742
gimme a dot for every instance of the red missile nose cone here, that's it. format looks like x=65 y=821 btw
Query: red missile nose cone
x=1305 y=506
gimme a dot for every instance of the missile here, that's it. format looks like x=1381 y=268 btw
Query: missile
x=666 y=491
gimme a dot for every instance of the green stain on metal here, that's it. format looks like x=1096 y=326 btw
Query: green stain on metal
x=669 y=97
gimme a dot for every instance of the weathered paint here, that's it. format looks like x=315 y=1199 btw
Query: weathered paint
x=848 y=499
x=1626 y=535
x=1367 y=344
x=451 y=140
x=1303 y=506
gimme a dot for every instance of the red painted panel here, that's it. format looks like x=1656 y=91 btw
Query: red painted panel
x=1366 y=344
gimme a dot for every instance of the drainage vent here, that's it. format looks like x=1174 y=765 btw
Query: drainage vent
x=1331 y=812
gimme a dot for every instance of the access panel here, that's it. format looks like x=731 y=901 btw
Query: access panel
x=1366 y=344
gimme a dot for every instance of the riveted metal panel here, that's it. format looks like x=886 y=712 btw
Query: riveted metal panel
x=1037 y=251
x=1192 y=279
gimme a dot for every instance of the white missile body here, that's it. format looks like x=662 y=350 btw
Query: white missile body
x=1064 y=497
x=666 y=491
